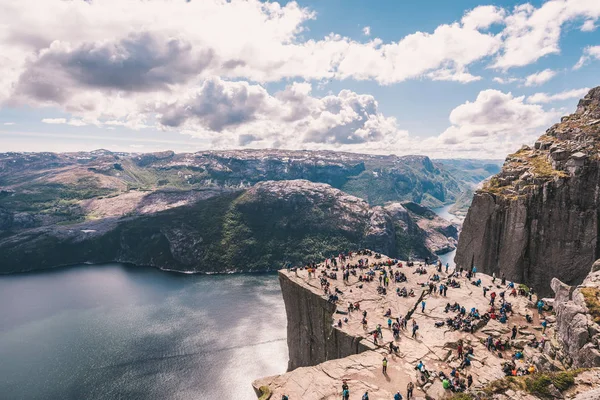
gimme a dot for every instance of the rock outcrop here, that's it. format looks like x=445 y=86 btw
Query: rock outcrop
x=577 y=320
x=539 y=217
x=328 y=343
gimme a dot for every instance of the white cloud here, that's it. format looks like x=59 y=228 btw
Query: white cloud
x=532 y=33
x=367 y=31
x=54 y=121
x=548 y=98
x=483 y=17
x=505 y=81
x=539 y=77
x=76 y=122
x=495 y=123
x=9 y=123
x=589 y=53
x=589 y=26
x=156 y=46
x=233 y=114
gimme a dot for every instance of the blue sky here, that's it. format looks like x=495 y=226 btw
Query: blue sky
x=442 y=78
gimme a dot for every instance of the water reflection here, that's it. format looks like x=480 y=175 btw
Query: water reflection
x=105 y=332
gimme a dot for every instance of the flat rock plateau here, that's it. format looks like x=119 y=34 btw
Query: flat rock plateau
x=323 y=354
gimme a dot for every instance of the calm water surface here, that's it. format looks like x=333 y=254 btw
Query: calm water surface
x=116 y=332
x=444 y=212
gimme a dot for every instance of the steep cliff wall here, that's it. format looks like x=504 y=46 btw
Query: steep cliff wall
x=311 y=336
x=538 y=218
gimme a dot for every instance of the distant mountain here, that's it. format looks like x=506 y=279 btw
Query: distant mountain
x=471 y=173
x=59 y=199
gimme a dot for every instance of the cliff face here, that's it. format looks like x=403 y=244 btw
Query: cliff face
x=311 y=337
x=538 y=218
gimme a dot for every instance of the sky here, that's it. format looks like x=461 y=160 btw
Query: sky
x=447 y=79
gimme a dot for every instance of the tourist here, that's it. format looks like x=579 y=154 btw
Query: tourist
x=284 y=397
x=474 y=271
x=384 y=363
x=423 y=306
x=397 y=396
x=446 y=383
x=514 y=332
x=365 y=396
x=414 y=329
x=469 y=381
x=544 y=325
x=345 y=390
x=411 y=386
x=540 y=306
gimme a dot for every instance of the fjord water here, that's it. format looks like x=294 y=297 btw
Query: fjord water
x=115 y=331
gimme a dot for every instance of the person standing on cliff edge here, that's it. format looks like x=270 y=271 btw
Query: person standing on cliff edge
x=409 y=390
x=384 y=363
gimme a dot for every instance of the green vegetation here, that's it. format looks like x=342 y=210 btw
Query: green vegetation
x=538 y=384
x=524 y=287
x=462 y=396
x=592 y=302
x=543 y=168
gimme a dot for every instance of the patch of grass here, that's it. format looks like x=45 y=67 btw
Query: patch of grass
x=543 y=168
x=538 y=385
x=564 y=380
x=592 y=301
x=462 y=396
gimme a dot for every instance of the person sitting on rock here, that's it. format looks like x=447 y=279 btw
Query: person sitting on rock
x=284 y=397
x=446 y=383
x=397 y=396
x=528 y=318
x=388 y=313
x=365 y=396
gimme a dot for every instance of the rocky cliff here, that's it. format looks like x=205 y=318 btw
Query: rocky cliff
x=538 y=218
x=311 y=336
x=255 y=229
x=578 y=320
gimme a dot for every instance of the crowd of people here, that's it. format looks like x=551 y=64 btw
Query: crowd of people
x=467 y=318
